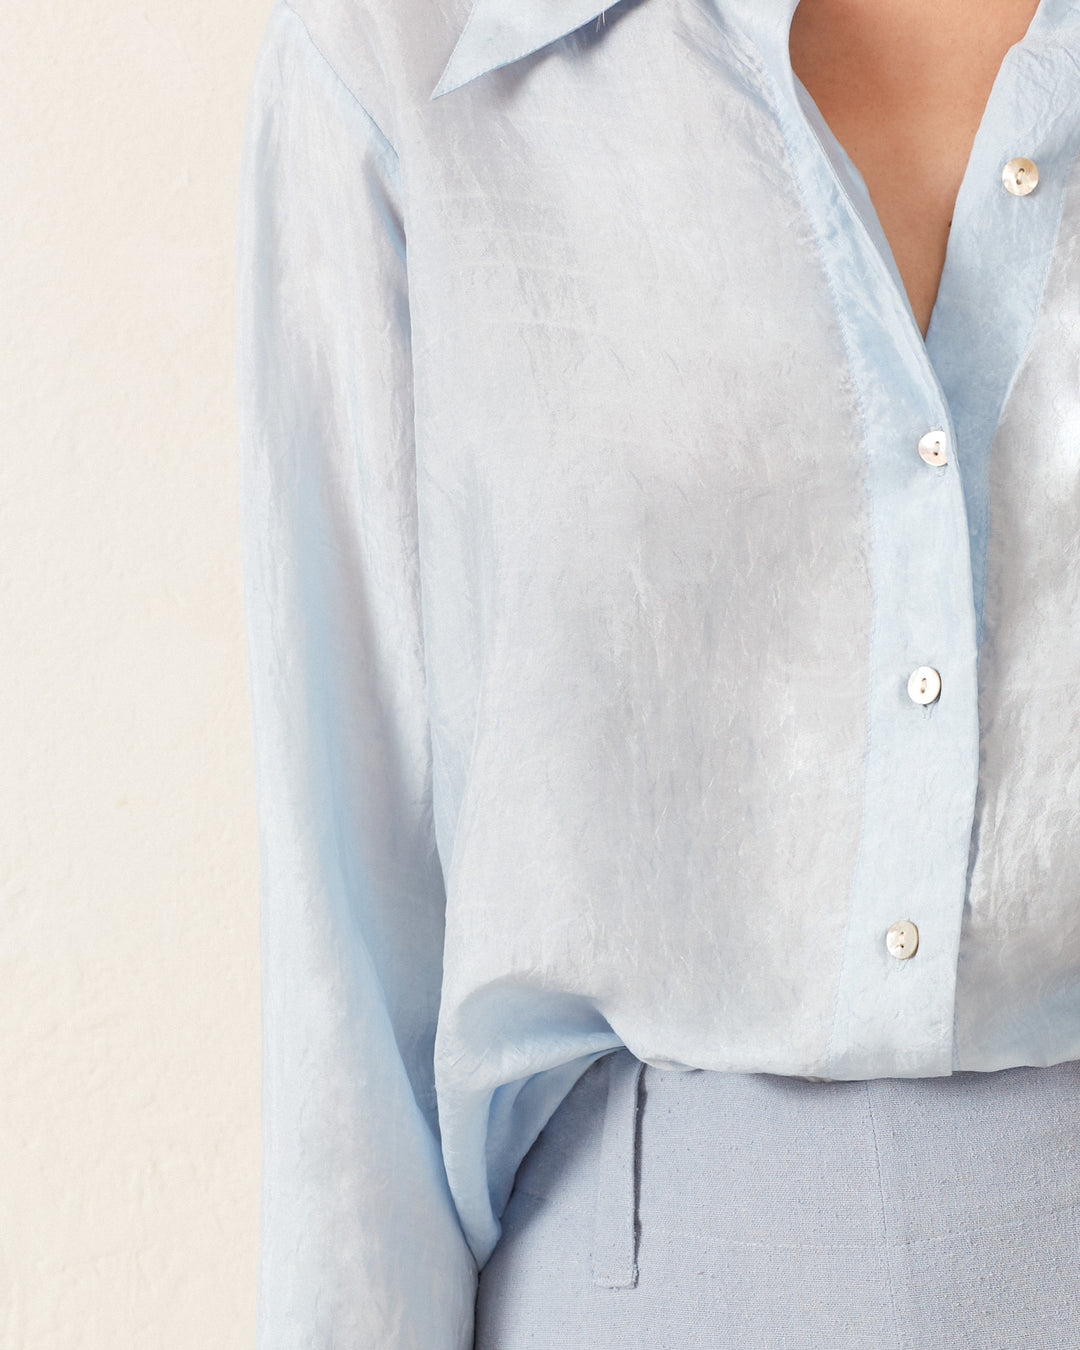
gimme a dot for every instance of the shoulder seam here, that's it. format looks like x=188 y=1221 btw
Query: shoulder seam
x=337 y=75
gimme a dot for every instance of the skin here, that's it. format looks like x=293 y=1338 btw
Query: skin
x=903 y=84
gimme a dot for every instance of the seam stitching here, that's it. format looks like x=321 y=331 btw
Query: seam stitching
x=285 y=5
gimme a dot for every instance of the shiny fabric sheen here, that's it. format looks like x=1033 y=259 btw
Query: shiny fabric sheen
x=587 y=553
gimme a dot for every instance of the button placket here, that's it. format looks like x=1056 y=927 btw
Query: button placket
x=923 y=768
x=924 y=684
x=916 y=825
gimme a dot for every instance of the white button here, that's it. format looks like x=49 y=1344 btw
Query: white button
x=902 y=939
x=1020 y=176
x=924 y=685
x=932 y=448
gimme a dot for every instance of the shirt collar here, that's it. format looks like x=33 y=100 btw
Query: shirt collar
x=498 y=32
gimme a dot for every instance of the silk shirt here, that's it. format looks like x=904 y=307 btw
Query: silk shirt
x=601 y=499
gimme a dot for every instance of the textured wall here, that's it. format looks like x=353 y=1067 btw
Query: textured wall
x=128 y=919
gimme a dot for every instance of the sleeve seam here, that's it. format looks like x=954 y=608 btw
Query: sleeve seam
x=338 y=77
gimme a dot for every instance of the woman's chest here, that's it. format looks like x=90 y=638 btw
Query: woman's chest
x=642 y=299
x=614 y=279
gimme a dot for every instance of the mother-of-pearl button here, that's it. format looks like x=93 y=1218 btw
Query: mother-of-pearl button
x=1020 y=176
x=932 y=447
x=902 y=939
x=924 y=685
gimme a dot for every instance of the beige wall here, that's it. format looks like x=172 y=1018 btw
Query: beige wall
x=128 y=920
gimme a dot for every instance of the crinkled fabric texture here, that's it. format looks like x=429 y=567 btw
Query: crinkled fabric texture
x=587 y=556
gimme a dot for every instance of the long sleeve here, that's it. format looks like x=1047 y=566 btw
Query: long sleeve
x=360 y=1245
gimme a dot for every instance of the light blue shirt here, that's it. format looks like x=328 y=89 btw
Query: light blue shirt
x=597 y=587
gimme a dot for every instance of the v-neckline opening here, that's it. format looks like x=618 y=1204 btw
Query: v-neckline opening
x=857 y=194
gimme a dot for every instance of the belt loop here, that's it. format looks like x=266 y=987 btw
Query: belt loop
x=615 y=1220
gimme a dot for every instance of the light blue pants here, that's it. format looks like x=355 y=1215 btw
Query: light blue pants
x=700 y=1211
